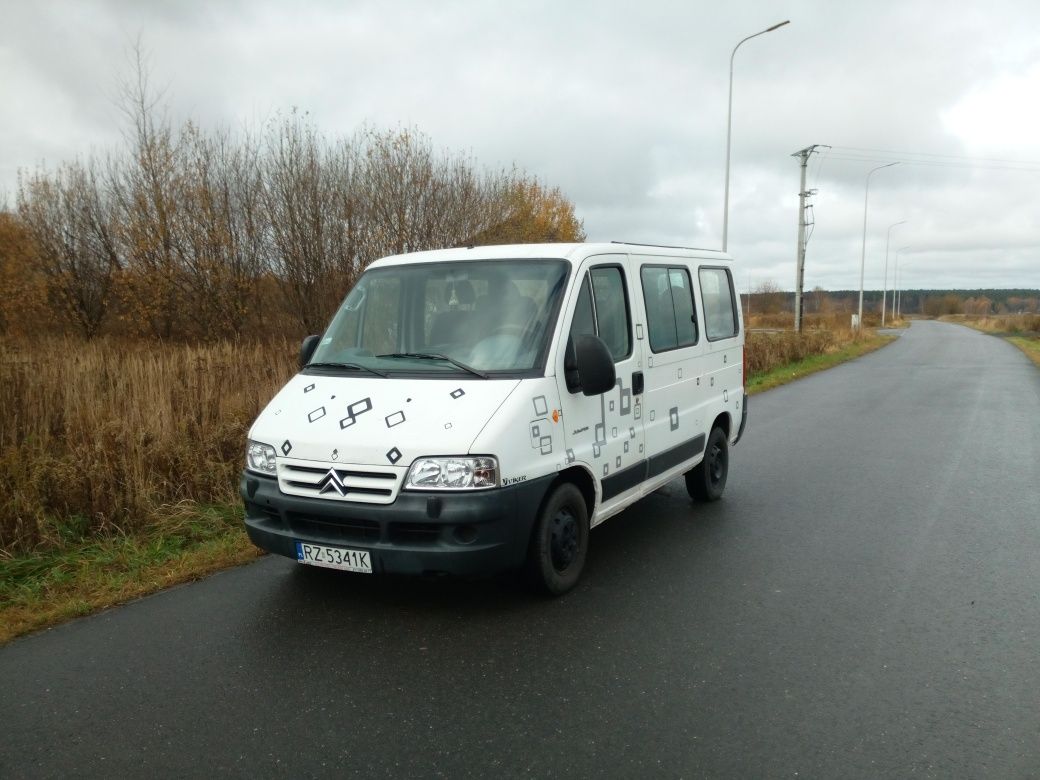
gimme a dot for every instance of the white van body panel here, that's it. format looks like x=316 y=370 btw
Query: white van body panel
x=526 y=433
x=376 y=421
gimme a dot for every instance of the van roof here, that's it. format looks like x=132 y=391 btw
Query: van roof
x=572 y=252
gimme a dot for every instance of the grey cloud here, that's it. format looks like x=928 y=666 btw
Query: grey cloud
x=622 y=105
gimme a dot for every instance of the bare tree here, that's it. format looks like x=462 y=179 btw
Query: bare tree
x=71 y=219
x=145 y=192
x=309 y=209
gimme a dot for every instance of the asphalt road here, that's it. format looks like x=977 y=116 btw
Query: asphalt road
x=863 y=603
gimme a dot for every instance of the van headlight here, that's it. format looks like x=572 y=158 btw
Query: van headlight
x=456 y=473
x=260 y=457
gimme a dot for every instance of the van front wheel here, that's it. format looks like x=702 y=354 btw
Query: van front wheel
x=559 y=542
x=707 y=480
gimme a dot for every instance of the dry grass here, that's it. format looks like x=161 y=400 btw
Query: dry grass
x=1002 y=324
x=106 y=437
x=775 y=346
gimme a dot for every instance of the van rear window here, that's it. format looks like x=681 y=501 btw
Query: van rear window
x=720 y=306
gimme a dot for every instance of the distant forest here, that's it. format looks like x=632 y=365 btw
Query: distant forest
x=933 y=303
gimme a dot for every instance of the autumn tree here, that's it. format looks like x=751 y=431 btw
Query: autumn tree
x=23 y=287
x=218 y=236
x=533 y=213
x=980 y=306
x=69 y=215
x=308 y=197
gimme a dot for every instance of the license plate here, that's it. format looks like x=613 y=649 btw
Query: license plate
x=334 y=557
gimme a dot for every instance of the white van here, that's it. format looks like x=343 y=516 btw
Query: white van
x=470 y=411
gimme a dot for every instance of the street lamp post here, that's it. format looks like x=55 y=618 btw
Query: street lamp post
x=863 y=254
x=884 y=285
x=729 y=125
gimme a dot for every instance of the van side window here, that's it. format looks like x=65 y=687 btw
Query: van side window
x=670 y=314
x=612 y=322
x=584 y=322
x=720 y=307
x=602 y=310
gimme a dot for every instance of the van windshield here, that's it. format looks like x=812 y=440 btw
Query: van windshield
x=474 y=317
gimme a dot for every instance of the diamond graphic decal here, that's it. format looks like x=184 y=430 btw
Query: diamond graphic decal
x=286 y=447
x=308 y=388
x=394 y=419
x=354 y=411
x=570 y=456
x=457 y=394
x=541 y=408
x=673 y=417
x=394 y=455
x=546 y=444
x=317 y=414
x=618 y=463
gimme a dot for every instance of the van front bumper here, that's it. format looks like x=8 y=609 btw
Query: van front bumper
x=458 y=533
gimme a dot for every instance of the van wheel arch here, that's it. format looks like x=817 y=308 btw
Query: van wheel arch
x=725 y=422
x=707 y=480
x=578 y=484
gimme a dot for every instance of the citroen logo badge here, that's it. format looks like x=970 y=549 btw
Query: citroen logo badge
x=332 y=482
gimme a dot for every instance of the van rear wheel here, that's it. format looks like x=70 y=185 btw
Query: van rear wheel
x=707 y=480
x=559 y=541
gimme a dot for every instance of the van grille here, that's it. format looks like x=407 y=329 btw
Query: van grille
x=339 y=481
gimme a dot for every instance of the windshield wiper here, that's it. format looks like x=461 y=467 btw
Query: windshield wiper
x=433 y=356
x=356 y=366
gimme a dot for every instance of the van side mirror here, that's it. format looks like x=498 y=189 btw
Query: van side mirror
x=307 y=349
x=588 y=365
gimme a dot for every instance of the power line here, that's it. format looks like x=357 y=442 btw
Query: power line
x=1021 y=167
x=889 y=152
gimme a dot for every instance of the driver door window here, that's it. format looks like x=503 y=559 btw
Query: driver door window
x=602 y=310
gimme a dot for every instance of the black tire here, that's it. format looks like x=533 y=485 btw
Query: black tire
x=559 y=541
x=707 y=480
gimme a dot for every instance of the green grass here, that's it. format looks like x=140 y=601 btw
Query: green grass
x=41 y=589
x=1028 y=344
x=758 y=383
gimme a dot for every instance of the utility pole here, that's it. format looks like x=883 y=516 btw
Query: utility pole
x=803 y=239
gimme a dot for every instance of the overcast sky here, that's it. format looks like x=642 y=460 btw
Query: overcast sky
x=622 y=105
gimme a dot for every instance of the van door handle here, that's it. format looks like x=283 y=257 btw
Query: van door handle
x=637 y=383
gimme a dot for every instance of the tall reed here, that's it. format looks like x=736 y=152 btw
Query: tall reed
x=97 y=436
